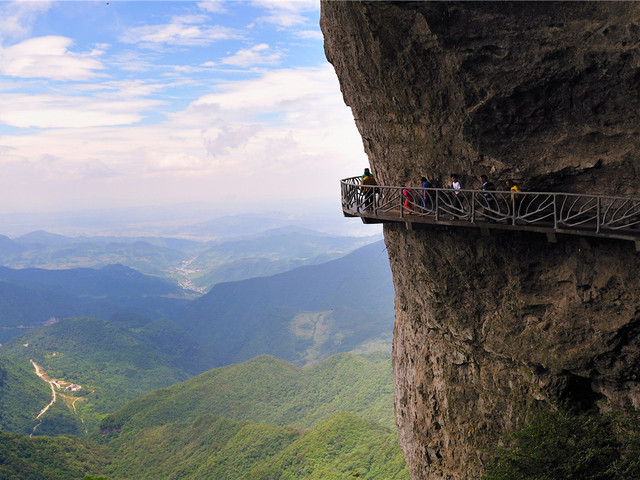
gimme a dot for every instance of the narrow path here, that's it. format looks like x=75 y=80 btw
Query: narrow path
x=53 y=393
x=53 y=390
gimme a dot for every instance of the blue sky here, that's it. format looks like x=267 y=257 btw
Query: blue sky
x=116 y=104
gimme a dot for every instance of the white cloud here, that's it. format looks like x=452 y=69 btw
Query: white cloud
x=309 y=34
x=179 y=33
x=284 y=90
x=103 y=139
x=277 y=125
x=16 y=18
x=257 y=55
x=286 y=13
x=58 y=111
x=284 y=134
x=48 y=57
x=213 y=6
x=176 y=162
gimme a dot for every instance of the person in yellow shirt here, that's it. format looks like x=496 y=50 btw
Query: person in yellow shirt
x=513 y=187
x=515 y=198
x=369 y=190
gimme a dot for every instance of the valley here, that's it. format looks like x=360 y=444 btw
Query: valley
x=259 y=363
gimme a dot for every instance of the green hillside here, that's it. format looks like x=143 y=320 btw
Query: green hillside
x=270 y=390
x=22 y=395
x=114 y=361
x=32 y=297
x=343 y=446
x=302 y=316
x=46 y=458
x=263 y=419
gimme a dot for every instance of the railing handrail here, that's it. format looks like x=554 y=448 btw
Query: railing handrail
x=574 y=213
x=473 y=190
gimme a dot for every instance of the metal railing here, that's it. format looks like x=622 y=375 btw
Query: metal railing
x=593 y=215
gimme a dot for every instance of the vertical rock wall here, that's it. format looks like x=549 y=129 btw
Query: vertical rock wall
x=486 y=327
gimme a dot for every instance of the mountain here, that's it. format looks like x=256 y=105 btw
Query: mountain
x=262 y=419
x=343 y=446
x=31 y=297
x=108 y=281
x=269 y=390
x=264 y=247
x=22 y=396
x=47 y=458
x=22 y=308
x=272 y=252
x=114 y=361
x=303 y=315
x=153 y=256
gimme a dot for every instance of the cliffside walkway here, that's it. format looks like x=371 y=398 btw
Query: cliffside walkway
x=550 y=213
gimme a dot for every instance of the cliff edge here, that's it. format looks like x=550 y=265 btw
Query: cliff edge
x=545 y=93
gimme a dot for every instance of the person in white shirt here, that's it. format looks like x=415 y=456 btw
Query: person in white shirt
x=455 y=183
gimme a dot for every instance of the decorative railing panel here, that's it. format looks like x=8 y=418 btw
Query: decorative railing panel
x=615 y=217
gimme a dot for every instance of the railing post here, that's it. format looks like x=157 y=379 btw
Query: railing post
x=513 y=207
x=555 y=211
x=473 y=206
x=437 y=205
x=598 y=208
x=401 y=203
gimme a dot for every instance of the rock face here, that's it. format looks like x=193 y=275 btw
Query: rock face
x=487 y=327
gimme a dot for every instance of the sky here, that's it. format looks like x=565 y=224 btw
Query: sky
x=116 y=104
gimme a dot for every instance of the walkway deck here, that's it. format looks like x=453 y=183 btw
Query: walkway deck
x=550 y=213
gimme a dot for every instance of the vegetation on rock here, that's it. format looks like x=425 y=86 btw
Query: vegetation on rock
x=563 y=445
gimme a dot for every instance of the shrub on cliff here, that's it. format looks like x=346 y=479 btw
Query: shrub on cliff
x=564 y=445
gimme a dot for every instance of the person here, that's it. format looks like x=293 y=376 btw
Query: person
x=368 y=181
x=455 y=183
x=490 y=202
x=457 y=186
x=426 y=202
x=408 y=200
x=513 y=188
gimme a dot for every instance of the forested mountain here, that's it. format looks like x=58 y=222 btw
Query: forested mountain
x=262 y=419
x=307 y=316
x=49 y=458
x=22 y=396
x=269 y=390
x=114 y=361
x=343 y=446
x=245 y=421
x=259 y=419
x=303 y=315
x=32 y=297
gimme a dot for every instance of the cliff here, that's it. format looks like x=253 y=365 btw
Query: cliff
x=487 y=327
